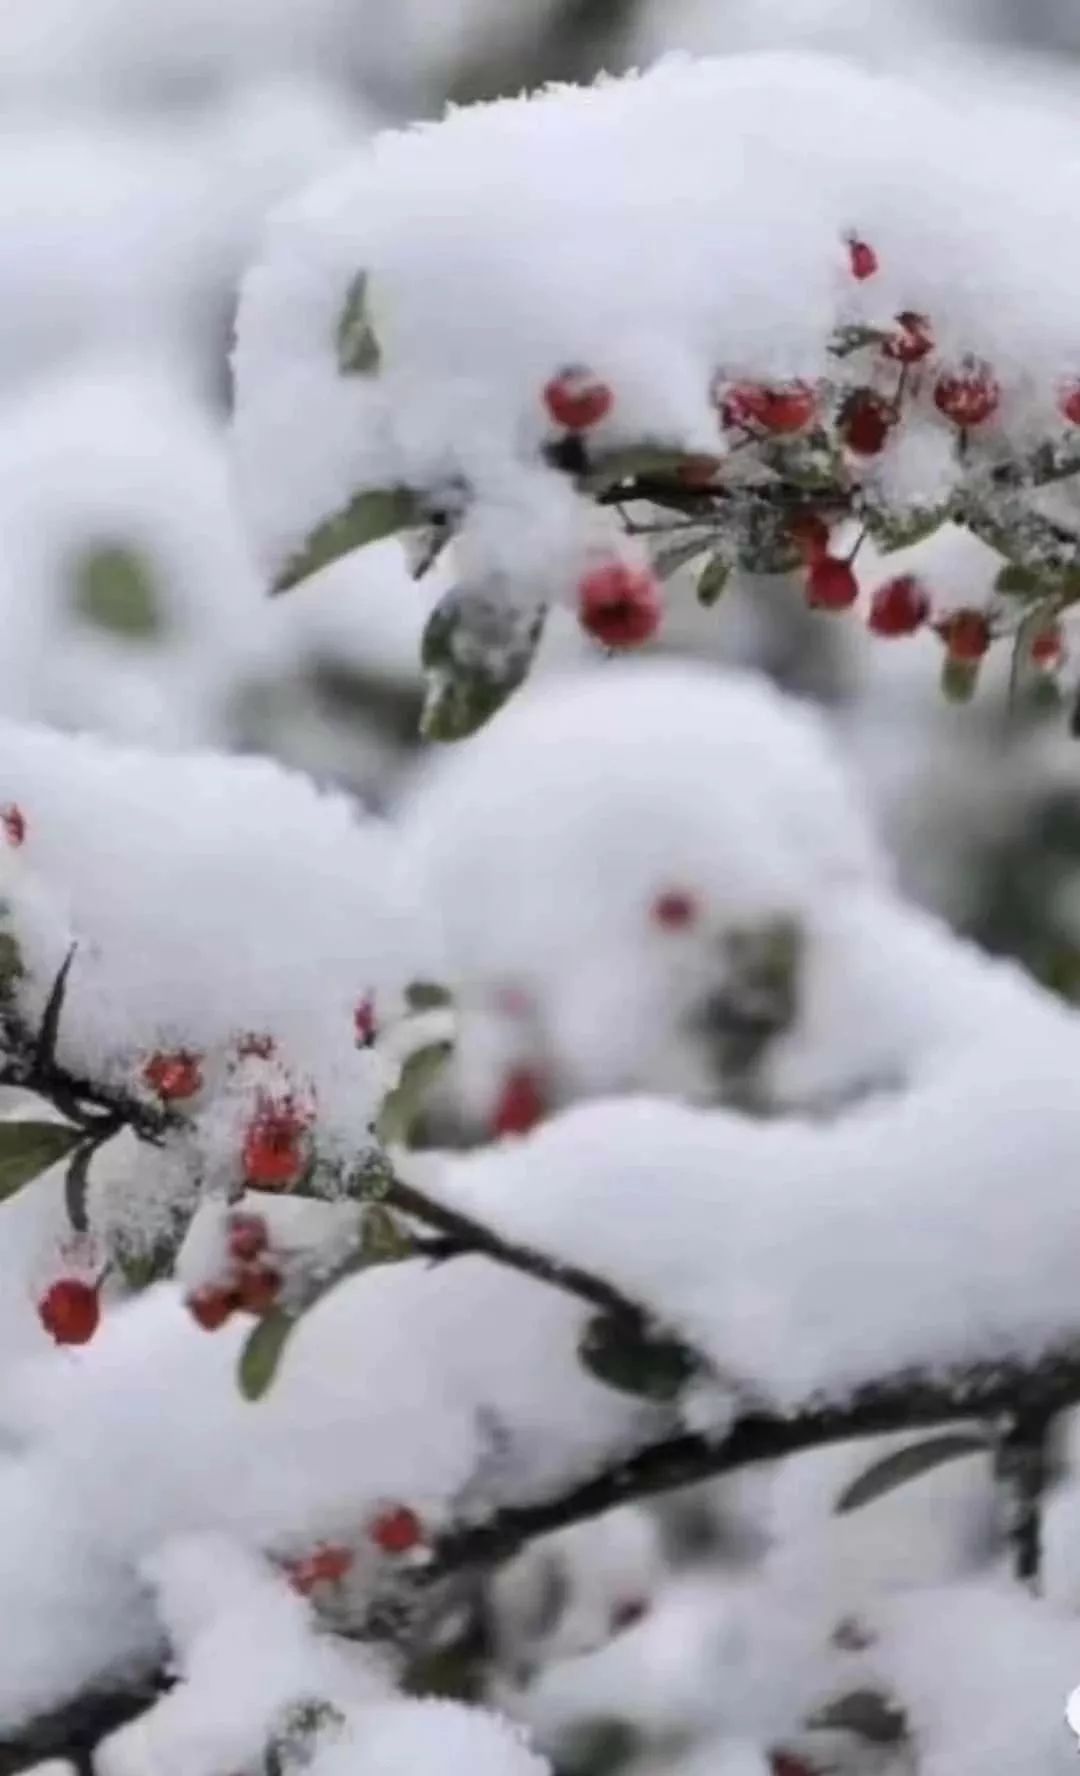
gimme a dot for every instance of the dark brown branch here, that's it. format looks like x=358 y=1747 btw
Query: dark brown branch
x=465 y=1237
x=904 y=1402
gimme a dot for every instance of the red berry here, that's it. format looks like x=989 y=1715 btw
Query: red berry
x=864 y=422
x=785 y=1763
x=397 y=1531
x=674 y=910
x=520 y=1104
x=811 y=535
x=70 y=1311
x=276 y=1145
x=831 y=584
x=173 y=1077
x=966 y=634
x=364 y=1022
x=1070 y=402
x=248 y=1237
x=912 y=340
x=210 y=1306
x=577 y=398
x=899 y=607
x=1048 y=646
x=14 y=823
x=258 y=1289
x=780 y=408
x=968 y=396
x=329 y=1565
x=619 y=605
x=864 y=261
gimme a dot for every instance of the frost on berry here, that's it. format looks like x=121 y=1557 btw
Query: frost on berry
x=619 y=605
x=968 y=396
x=70 y=1311
x=277 y=1144
x=577 y=398
x=1047 y=648
x=173 y=1077
x=397 y=1530
x=831 y=584
x=899 y=607
x=14 y=823
x=912 y=339
x=258 y=1288
x=1069 y=401
x=780 y=408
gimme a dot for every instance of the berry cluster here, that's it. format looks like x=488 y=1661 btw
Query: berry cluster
x=621 y=604
x=394 y=1532
x=252 y=1281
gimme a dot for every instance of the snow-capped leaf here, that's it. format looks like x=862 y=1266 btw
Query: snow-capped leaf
x=908 y=1464
x=114 y=589
x=402 y=1106
x=476 y=651
x=368 y=517
x=868 y=1714
x=29 y=1148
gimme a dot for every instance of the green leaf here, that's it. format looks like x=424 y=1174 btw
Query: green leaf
x=114 y=588
x=357 y=346
x=368 y=517
x=401 y=1107
x=908 y=1464
x=670 y=557
x=631 y=465
x=712 y=581
x=1015 y=581
x=263 y=1351
x=424 y=995
x=29 y=1148
x=959 y=679
x=847 y=340
x=383 y=1240
x=476 y=650
x=625 y=1355
x=902 y=530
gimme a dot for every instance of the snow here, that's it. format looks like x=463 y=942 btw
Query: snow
x=182 y=878
x=656 y=281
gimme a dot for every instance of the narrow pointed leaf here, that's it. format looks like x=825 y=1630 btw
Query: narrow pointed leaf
x=29 y=1148
x=368 y=517
x=45 y=1050
x=77 y=1185
x=712 y=581
x=263 y=1351
x=908 y=1464
x=424 y=995
x=357 y=346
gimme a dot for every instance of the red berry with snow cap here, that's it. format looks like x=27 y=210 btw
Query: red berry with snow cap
x=70 y=1311
x=258 y=1289
x=275 y=1154
x=577 y=398
x=780 y=408
x=912 y=341
x=619 y=605
x=831 y=584
x=968 y=396
x=1048 y=647
x=173 y=1077
x=899 y=607
x=248 y=1237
